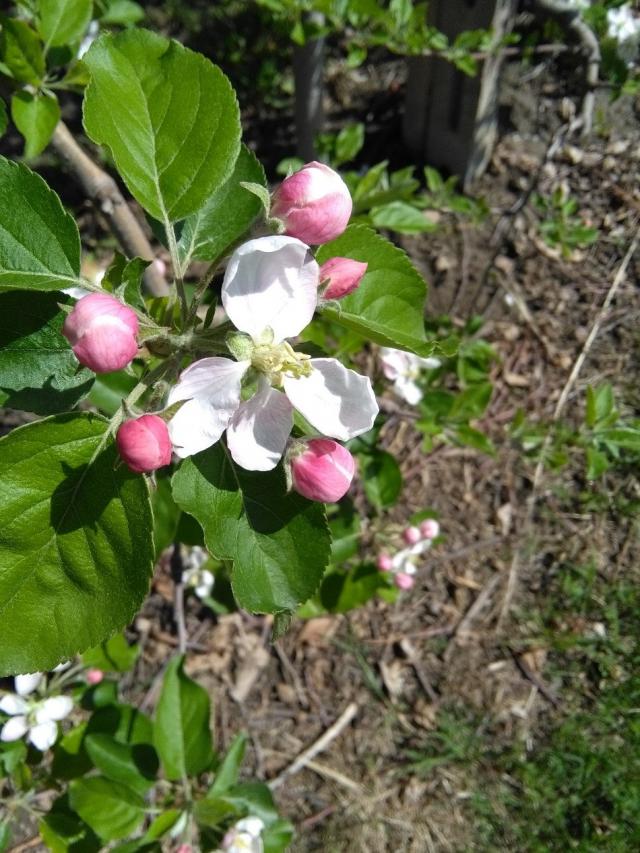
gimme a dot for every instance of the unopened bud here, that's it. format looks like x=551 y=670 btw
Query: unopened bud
x=94 y=676
x=144 y=443
x=411 y=535
x=430 y=528
x=314 y=204
x=403 y=581
x=323 y=470
x=384 y=563
x=102 y=332
x=343 y=274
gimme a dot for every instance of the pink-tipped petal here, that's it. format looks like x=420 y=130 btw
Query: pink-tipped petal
x=411 y=535
x=384 y=563
x=102 y=332
x=343 y=274
x=403 y=581
x=314 y=204
x=144 y=443
x=323 y=471
x=430 y=528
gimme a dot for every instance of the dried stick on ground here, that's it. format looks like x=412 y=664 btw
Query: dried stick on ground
x=562 y=401
x=322 y=743
x=103 y=190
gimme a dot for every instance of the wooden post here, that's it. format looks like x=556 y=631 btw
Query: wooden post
x=450 y=119
x=308 y=73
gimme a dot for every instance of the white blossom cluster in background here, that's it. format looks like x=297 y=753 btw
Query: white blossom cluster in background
x=404 y=369
x=623 y=25
x=32 y=714
x=402 y=564
x=244 y=837
x=194 y=576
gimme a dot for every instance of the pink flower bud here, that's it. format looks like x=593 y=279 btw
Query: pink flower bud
x=384 y=563
x=403 y=581
x=344 y=275
x=430 y=528
x=323 y=471
x=314 y=204
x=184 y=848
x=411 y=535
x=94 y=676
x=144 y=443
x=102 y=332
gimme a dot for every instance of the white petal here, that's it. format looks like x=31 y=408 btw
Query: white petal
x=408 y=390
x=271 y=282
x=26 y=684
x=252 y=825
x=211 y=387
x=54 y=708
x=394 y=362
x=258 y=432
x=336 y=401
x=43 y=735
x=12 y=704
x=76 y=292
x=205 y=585
x=14 y=729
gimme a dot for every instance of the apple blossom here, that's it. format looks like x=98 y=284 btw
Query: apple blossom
x=384 y=563
x=429 y=528
x=404 y=581
x=144 y=443
x=314 y=204
x=36 y=718
x=245 y=836
x=94 y=676
x=270 y=293
x=321 y=469
x=196 y=577
x=411 y=535
x=624 y=27
x=403 y=368
x=343 y=275
x=102 y=332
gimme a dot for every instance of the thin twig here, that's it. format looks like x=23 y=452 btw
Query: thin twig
x=562 y=401
x=101 y=188
x=321 y=744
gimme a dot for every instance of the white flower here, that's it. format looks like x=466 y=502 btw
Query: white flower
x=405 y=560
x=244 y=837
x=624 y=26
x=194 y=576
x=36 y=718
x=403 y=368
x=270 y=292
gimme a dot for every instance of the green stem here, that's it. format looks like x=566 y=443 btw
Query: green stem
x=177 y=270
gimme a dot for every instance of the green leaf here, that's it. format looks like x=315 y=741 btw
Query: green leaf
x=388 y=306
x=109 y=389
x=124 y=722
x=279 y=541
x=5 y=836
x=114 y=655
x=63 y=831
x=168 y=116
x=227 y=773
x=21 y=51
x=597 y=463
x=4 y=118
x=599 y=404
x=343 y=591
x=277 y=837
x=474 y=438
x=382 y=479
x=182 y=733
x=36 y=117
x=253 y=798
x=63 y=21
x=135 y=766
x=39 y=241
x=38 y=370
x=76 y=547
x=626 y=437
x=401 y=217
x=112 y=810
x=124 y=13
x=348 y=143
x=227 y=214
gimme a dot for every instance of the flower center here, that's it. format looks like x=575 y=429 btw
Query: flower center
x=280 y=360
